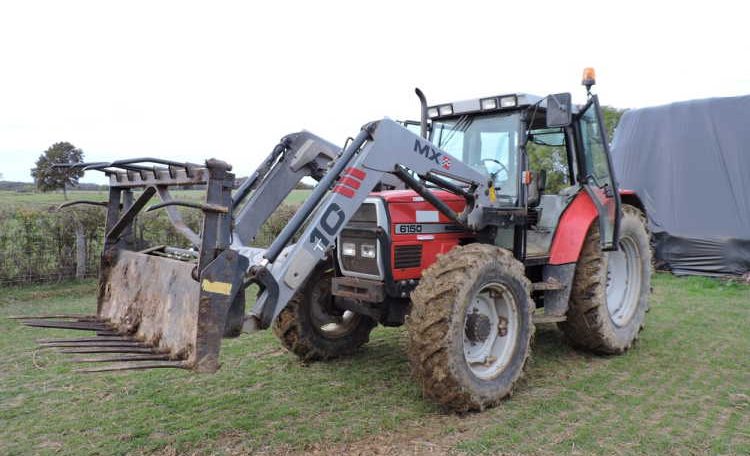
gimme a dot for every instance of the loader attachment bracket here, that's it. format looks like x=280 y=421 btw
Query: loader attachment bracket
x=263 y=277
x=221 y=308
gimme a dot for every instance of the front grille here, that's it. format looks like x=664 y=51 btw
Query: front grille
x=407 y=256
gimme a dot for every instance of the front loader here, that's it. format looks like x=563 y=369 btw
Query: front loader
x=449 y=231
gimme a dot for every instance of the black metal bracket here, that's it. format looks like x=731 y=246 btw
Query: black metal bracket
x=263 y=277
x=125 y=220
x=425 y=193
x=204 y=207
x=77 y=202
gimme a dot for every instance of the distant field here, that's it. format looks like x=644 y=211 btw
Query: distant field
x=42 y=200
x=683 y=389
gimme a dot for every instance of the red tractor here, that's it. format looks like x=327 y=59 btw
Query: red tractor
x=467 y=232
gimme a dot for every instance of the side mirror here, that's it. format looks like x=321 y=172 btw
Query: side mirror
x=559 y=110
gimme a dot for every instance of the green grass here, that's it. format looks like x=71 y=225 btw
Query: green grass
x=43 y=200
x=684 y=388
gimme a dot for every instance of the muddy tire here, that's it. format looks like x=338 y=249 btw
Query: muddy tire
x=609 y=299
x=448 y=327
x=312 y=330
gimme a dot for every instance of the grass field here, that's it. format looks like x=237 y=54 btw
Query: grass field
x=42 y=200
x=683 y=389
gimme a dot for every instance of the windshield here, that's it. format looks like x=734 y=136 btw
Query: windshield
x=487 y=143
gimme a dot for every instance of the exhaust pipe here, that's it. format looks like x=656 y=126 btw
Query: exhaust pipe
x=423 y=111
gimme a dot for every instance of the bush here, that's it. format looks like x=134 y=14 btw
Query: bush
x=39 y=245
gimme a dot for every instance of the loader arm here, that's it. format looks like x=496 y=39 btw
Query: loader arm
x=298 y=155
x=381 y=147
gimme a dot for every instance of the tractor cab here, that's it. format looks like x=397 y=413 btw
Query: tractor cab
x=537 y=152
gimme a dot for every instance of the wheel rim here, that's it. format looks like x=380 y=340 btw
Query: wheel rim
x=327 y=324
x=490 y=331
x=623 y=281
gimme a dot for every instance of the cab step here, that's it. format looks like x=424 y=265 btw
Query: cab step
x=550 y=284
x=542 y=318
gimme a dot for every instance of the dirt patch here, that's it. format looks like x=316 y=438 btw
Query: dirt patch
x=436 y=435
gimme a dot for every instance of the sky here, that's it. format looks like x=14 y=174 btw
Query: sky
x=195 y=80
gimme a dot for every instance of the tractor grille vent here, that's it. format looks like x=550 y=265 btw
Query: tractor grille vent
x=408 y=256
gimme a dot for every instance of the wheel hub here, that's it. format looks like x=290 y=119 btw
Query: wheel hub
x=491 y=326
x=477 y=327
x=328 y=321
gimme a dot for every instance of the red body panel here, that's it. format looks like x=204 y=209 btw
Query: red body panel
x=573 y=226
x=571 y=230
x=402 y=207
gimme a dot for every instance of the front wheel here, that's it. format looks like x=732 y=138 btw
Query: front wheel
x=310 y=326
x=609 y=299
x=470 y=330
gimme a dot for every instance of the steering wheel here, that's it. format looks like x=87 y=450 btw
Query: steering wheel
x=502 y=167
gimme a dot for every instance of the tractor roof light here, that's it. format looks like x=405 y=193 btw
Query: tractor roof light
x=445 y=110
x=589 y=78
x=488 y=103
x=510 y=101
x=432 y=112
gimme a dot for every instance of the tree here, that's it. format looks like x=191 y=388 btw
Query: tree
x=611 y=119
x=554 y=161
x=49 y=177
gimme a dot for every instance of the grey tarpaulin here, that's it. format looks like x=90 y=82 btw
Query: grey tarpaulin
x=690 y=164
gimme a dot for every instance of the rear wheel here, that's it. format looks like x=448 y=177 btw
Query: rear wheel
x=610 y=293
x=470 y=329
x=311 y=328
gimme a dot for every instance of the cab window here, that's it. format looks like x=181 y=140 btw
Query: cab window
x=487 y=143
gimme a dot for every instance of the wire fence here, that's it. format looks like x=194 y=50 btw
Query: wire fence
x=41 y=245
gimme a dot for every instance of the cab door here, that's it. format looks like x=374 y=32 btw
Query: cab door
x=595 y=171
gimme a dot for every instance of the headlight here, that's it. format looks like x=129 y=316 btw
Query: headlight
x=349 y=249
x=367 y=251
x=432 y=112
